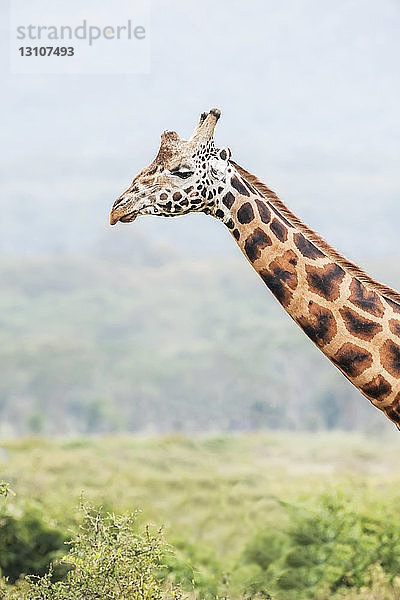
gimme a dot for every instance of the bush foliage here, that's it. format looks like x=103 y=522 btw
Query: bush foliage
x=336 y=535
x=107 y=560
x=331 y=547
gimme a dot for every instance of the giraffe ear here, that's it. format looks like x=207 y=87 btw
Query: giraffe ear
x=224 y=153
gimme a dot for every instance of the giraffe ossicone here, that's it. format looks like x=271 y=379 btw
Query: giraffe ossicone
x=351 y=318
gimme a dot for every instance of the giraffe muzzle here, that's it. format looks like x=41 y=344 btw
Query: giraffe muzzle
x=123 y=210
x=115 y=216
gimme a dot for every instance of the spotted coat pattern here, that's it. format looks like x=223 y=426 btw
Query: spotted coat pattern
x=356 y=327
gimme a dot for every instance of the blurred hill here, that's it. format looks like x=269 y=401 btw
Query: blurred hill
x=133 y=336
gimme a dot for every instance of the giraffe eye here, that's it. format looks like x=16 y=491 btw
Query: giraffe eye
x=182 y=173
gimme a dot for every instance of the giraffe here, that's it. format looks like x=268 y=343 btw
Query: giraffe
x=351 y=318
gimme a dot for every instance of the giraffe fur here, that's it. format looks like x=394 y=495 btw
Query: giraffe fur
x=352 y=319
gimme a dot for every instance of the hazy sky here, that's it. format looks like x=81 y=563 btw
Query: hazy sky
x=310 y=95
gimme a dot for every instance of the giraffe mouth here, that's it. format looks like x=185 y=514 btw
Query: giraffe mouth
x=127 y=218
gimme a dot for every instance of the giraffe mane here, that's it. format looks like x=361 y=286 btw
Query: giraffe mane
x=315 y=238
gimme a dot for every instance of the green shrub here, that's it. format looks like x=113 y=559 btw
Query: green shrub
x=331 y=547
x=195 y=568
x=107 y=560
x=27 y=544
x=265 y=548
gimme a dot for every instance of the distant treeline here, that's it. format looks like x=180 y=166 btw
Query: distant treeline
x=149 y=342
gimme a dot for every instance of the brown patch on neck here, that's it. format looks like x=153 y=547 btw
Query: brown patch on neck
x=255 y=243
x=393 y=411
x=281 y=277
x=365 y=329
x=365 y=299
x=325 y=281
x=390 y=358
x=352 y=359
x=319 y=324
x=313 y=237
x=377 y=389
x=394 y=327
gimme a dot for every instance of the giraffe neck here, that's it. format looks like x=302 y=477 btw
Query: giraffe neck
x=347 y=316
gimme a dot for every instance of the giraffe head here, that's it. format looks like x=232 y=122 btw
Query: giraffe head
x=186 y=176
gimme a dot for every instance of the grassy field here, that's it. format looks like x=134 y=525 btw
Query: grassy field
x=213 y=494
